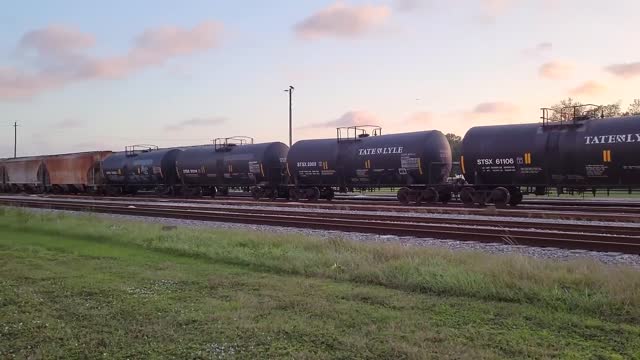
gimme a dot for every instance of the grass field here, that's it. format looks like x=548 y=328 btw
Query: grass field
x=82 y=287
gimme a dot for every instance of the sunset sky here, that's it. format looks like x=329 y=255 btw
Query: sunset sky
x=84 y=75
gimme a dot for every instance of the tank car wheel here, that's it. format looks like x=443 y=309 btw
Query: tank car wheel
x=429 y=195
x=466 y=195
x=257 y=193
x=500 y=197
x=293 y=195
x=403 y=195
x=313 y=194
x=516 y=198
x=445 y=197
x=328 y=194
x=273 y=194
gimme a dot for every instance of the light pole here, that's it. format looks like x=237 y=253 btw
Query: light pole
x=15 y=139
x=290 y=91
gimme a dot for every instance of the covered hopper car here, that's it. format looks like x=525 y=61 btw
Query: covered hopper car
x=26 y=174
x=3 y=177
x=581 y=153
x=77 y=172
x=361 y=157
x=74 y=173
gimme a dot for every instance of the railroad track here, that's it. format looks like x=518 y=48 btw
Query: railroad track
x=598 y=207
x=571 y=236
x=558 y=213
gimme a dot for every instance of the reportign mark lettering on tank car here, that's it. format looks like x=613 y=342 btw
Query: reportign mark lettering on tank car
x=612 y=139
x=381 y=151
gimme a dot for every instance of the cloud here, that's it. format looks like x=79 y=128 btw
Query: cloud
x=588 y=88
x=68 y=124
x=196 y=122
x=350 y=118
x=492 y=9
x=409 y=5
x=342 y=20
x=556 y=70
x=60 y=56
x=627 y=70
x=55 y=40
x=498 y=107
x=420 y=118
x=539 y=50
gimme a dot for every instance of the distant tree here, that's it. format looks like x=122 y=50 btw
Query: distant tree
x=455 y=142
x=634 y=108
x=611 y=110
x=564 y=110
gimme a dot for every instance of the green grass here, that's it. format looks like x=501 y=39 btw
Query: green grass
x=81 y=287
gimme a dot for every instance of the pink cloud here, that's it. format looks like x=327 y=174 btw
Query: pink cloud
x=350 y=118
x=588 y=88
x=55 y=40
x=409 y=5
x=196 y=122
x=556 y=70
x=61 y=57
x=627 y=71
x=342 y=20
x=498 y=107
x=540 y=49
x=420 y=118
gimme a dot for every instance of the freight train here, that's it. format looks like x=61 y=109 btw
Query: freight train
x=499 y=163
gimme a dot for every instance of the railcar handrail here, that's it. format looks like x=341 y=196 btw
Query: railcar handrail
x=222 y=144
x=133 y=150
x=570 y=115
x=353 y=133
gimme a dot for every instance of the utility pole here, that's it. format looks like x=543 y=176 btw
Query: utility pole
x=290 y=91
x=15 y=139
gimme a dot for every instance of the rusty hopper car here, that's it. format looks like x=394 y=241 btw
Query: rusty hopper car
x=361 y=158
x=140 y=167
x=580 y=154
x=79 y=172
x=25 y=174
x=233 y=163
x=3 y=177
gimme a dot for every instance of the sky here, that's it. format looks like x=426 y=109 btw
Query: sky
x=81 y=76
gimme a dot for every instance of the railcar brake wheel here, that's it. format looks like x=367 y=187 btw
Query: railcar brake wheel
x=500 y=196
x=403 y=195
